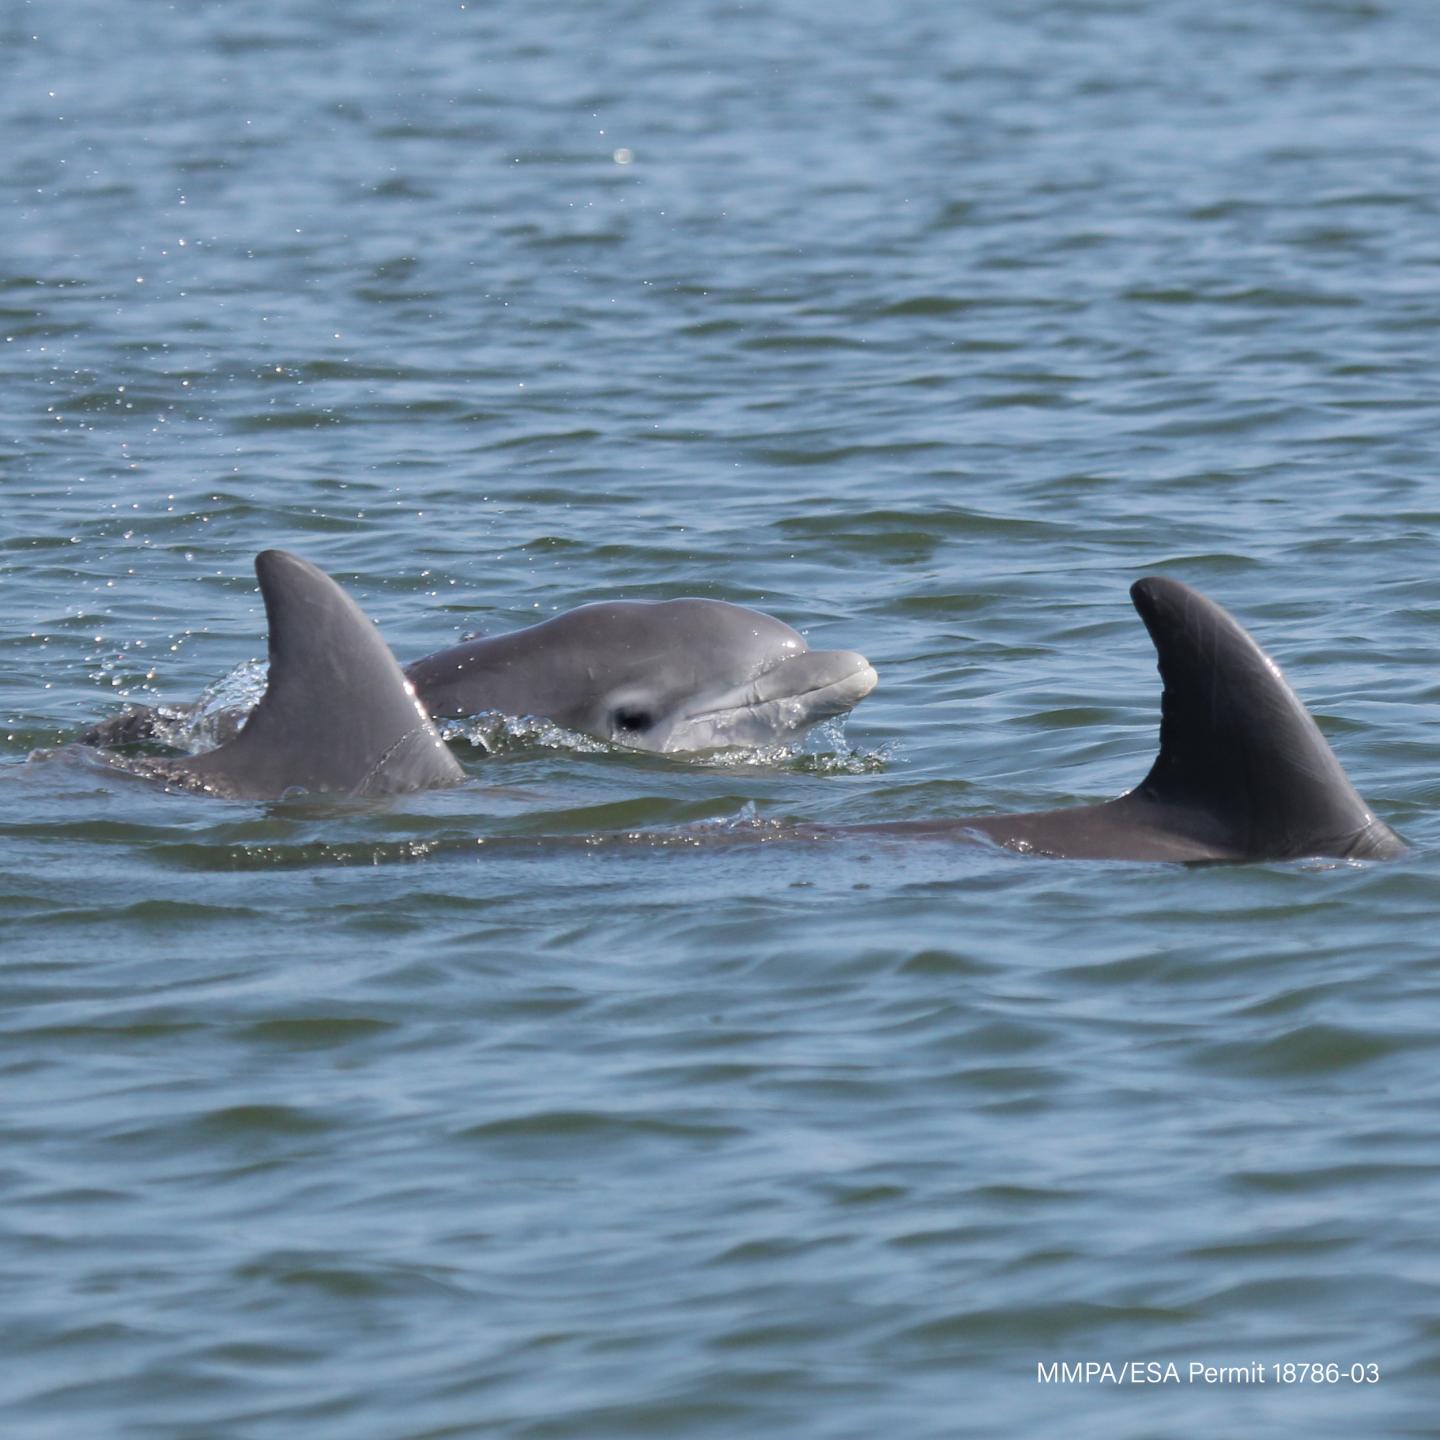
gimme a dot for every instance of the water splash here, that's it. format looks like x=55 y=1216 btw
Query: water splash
x=498 y=734
x=215 y=718
x=822 y=752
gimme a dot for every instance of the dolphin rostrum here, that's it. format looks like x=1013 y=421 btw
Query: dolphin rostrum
x=337 y=716
x=1243 y=772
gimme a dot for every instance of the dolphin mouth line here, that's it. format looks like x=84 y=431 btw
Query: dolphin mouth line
x=864 y=671
x=750 y=714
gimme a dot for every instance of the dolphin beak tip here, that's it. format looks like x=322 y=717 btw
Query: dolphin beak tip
x=858 y=677
x=865 y=678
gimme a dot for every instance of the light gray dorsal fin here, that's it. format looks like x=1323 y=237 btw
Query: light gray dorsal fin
x=337 y=716
x=1238 y=751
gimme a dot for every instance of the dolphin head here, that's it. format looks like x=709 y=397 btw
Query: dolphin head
x=664 y=676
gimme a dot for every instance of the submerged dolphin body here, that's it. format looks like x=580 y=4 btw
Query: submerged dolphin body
x=667 y=675
x=337 y=716
x=1243 y=772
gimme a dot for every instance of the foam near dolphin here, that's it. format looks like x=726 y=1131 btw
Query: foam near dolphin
x=1243 y=773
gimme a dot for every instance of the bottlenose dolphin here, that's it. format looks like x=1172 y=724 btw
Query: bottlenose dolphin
x=666 y=675
x=1242 y=774
x=337 y=716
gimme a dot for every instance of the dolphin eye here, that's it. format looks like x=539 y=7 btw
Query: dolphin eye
x=632 y=719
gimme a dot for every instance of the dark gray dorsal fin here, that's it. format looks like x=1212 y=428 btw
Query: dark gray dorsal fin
x=337 y=716
x=1238 y=751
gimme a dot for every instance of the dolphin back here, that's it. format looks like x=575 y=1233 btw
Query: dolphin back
x=337 y=716
x=1241 y=760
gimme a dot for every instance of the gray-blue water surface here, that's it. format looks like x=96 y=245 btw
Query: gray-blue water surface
x=927 y=327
